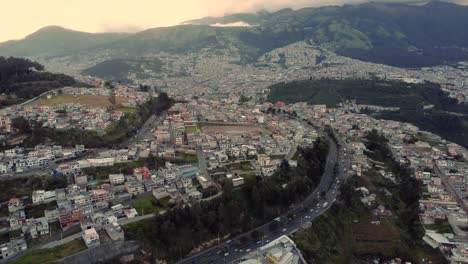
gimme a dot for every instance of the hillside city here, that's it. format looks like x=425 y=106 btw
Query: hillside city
x=119 y=166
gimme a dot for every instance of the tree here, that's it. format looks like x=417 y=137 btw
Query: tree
x=112 y=99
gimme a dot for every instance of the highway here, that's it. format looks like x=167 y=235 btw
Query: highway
x=232 y=250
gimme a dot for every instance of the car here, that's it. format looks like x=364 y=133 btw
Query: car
x=268 y=241
x=228 y=242
x=284 y=230
x=247 y=250
x=311 y=210
x=241 y=250
x=325 y=204
x=226 y=254
x=334 y=200
x=278 y=219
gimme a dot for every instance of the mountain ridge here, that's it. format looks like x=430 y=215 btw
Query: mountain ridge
x=395 y=34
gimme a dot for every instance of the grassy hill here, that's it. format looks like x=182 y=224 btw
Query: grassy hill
x=119 y=69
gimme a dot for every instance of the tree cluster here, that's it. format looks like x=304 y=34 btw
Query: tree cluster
x=175 y=234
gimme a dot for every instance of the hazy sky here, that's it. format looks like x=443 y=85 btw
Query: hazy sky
x=22 y=17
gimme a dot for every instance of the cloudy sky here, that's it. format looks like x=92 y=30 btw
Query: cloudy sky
x=22 y=17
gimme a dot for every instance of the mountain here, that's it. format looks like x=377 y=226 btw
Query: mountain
x=120 y=69
x=396 y=34
x=54 y=41
x=22 y=79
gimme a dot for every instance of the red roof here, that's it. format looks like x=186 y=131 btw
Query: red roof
x=280 y=104
x=14 y=200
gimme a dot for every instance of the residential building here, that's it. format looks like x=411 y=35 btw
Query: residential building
x=116 y=179
x=12 y=248
x=91 y=238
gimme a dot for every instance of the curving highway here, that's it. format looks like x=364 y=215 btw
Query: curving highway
x=233 y=250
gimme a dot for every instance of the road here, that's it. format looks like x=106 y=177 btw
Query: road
x=202 y=164
x=312 y=207
x=146 y=131
x=448 y=185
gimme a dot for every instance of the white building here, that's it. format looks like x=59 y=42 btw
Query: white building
x=91 y=238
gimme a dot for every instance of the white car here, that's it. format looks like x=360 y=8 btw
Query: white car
x=247 y=250
x=284 y=229
x=325 y=204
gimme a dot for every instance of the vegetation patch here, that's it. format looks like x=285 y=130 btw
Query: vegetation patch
x=173 y=235
x=150 y=205
x=191 y=129
x=53 y=254
x=127 y=110
x=83 y=99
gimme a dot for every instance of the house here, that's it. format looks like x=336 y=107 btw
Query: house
x=12 y=248
x=268 y=170
x=149 y=185
x=141 y=173
x=16 y=219
x=81 y=179
x=69 y=216
x=134 y=188
x=60 y=194
x=100 y=195
x=237 y=181
x=36 y=227
x=117 y=209
x=195 y=196
x=51 y=215
x=203 y=181
x=116 y=179
x=130 y=213
x=101 y=162
x=160 y=193
x=5 y=123
x=14 y=205
x=41 y=197
x=115 y=231
x=263 y=160
x=91 y=238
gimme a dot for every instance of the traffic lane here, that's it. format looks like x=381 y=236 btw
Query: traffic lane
x=237 y=251
x=328 y=176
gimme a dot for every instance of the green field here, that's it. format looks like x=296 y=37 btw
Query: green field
x=191 y=129
x=249 y=178
x=147 y=205
x=127 y=110
x=243 y=166
x=51 y=255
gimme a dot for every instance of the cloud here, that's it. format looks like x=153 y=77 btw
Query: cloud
x=131 y=16
x=124 y=28
x=236 y=6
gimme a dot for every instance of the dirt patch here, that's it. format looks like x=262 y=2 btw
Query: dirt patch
x=89 y=100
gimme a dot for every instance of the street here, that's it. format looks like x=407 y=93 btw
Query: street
x=312 y=207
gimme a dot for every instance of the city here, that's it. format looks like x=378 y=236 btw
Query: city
x=190 y=157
